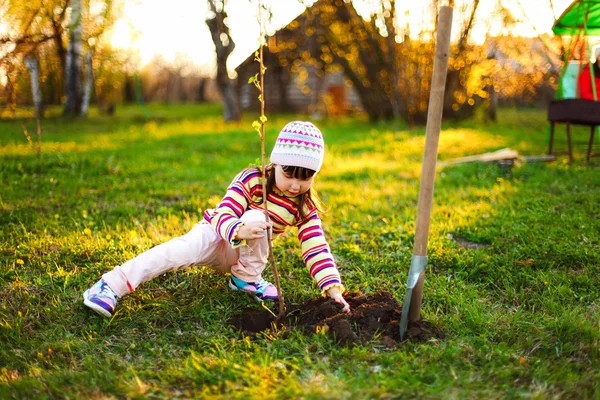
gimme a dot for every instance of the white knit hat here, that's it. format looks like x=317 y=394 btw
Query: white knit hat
x=299 y=144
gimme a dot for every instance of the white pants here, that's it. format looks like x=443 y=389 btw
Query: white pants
x=200 y=246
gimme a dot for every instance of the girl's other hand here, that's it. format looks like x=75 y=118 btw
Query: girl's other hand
x=253 y=230
x=336 y=295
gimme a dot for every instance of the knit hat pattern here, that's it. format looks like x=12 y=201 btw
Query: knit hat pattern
x=299 y=144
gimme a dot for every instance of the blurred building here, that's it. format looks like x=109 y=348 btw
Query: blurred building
x=296 y=80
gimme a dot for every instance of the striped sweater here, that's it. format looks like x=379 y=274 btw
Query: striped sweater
x=245 y=192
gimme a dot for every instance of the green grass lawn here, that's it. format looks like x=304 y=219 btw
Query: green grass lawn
x=520 y=315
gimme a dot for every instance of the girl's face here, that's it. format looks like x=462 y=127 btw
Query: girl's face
x=289 y=185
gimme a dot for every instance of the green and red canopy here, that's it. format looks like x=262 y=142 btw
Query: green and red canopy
x=581 y=15
x=579 y=21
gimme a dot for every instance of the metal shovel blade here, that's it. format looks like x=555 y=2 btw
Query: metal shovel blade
x=417 y=266
x=405 y=307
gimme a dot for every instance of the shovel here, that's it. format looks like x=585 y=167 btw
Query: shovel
x=411 y=309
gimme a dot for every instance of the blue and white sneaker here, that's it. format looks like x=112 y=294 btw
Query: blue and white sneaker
x=261 y=289
x=101 y=299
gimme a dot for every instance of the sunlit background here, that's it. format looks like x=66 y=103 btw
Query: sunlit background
x=504 y=52
x=149 y=29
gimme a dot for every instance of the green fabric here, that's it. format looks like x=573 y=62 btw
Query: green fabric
x=568 y=81
x=571 y=21
x=560 y=92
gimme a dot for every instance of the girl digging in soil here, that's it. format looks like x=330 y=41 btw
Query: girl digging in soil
x=232 y=238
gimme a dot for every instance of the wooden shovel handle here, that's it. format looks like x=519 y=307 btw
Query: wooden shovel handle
x=434 y=123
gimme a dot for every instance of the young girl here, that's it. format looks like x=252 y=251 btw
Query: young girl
x=232 y=237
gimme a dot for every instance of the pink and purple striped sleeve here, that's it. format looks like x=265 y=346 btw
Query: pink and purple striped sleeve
x=226 y=218
x=317 y=255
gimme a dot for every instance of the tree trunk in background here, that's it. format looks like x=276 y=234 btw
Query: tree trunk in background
x=11 y=93
x=202 y=90
x=33 y=65
x=57 y=20
x=224 y=46
x=373 y=96
x=73 y=70
x=356 y=44
x=87 y=88
x=398 y=107
x=491 y=103
x=129 y=90
x=231 y=111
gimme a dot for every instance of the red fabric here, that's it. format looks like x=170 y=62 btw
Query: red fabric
x=585 y=85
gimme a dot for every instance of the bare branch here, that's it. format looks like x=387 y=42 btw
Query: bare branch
x=467 y=30
x=539 y=36
x=553 y=9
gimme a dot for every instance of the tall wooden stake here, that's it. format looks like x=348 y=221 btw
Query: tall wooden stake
x=263 y=119
x=411 y=309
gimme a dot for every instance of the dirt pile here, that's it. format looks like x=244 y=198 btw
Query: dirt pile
x=375 y=316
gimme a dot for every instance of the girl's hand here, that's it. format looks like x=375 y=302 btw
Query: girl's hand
x=336 y=295
x=253 y=230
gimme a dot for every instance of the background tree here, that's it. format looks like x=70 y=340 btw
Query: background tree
x=505 y=68
x=26 y=35
x=339 y=35
x=388 y=62
x=224 y=45
x=87 y=86
x=33 y=65
x=458 y=99
x=389 y=70
x=73 y=71
x=41 y=27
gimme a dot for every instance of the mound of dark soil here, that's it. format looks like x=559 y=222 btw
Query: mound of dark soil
x=373 y=317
